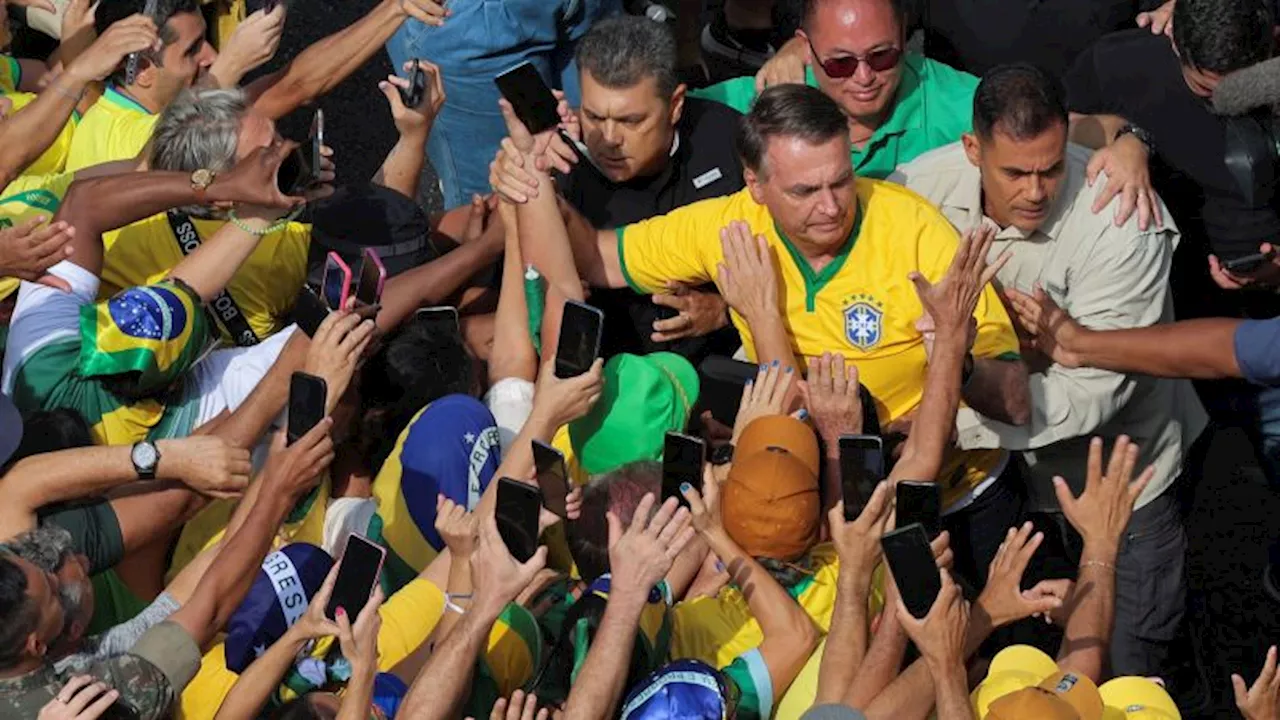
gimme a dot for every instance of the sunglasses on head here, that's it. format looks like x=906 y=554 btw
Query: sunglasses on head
x=843 y=67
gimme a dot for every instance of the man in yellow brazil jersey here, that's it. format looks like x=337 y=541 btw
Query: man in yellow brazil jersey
x=818 y=261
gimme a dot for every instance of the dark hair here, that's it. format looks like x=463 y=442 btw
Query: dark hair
x=299 y=708
x=110 y=12
x=46 y=431
x=19 y=614
x=788 y=111
x=904 y=10
x=620 y=491
x=1221 y=36
x=621 y=51
x=415 y=366
x=1021 y=100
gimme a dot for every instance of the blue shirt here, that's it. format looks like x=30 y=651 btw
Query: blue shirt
x=1257 y=345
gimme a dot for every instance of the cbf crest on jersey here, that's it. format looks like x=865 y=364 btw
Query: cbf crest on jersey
x=863 y=321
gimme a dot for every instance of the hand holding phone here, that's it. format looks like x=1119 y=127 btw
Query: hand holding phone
x=413 y=95
x=517 y=517
x=579 y=343
x=914 y=570
x=683 y=457
x=723 y=380
x=861 y=469
x=530 y=97
x=373 y=277
x=335 y=285
x=1248 y=263
x=308 y=398
x=358 y=574
x=553 y=478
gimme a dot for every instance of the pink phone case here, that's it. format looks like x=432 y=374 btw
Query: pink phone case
x=334 y=262
x=371 y=254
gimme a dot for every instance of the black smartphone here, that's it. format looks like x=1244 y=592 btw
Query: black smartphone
x=682 y=459
x=532 y=100
x=517 y=515
x=723 y=380
x=412 y=95
x=373 y=276
x=317 y=142
x=307 y=397
x=861 y=469
x=357 y=577
x=1248 y=263
x=553 y=478
x=579 y=343
x=295 y=174
x=911 y=559
x=442 y=319
x=920 y=502
x=309 y=310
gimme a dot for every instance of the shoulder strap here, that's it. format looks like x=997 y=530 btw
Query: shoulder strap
x=224 y=310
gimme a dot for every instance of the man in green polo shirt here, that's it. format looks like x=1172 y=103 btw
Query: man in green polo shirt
x=899 y=104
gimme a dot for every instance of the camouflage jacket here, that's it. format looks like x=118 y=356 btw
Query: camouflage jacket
x=145 y=693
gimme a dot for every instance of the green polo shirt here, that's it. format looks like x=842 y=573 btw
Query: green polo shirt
x=934 y=106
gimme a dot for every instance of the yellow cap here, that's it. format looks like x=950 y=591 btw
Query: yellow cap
x=1139 y=699
x=1012 y=669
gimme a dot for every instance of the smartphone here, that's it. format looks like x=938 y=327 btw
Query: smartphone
x=335 y=285
x=373 y=276
x=357 y=576
x=412 y=96
x=309 y=310
x=443 y=317
x=920 y=502
x=517 y=515
x=532 y=100
x=553 y=478
x=1248 y=263
x=307 y=397
x=579 y=343
x=682 y=460
x=723 y=380
x=317 y=142
x=861 y=469
x=131 y=60
x=911 y=559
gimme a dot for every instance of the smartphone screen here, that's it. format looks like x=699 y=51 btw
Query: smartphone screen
x=579 y=343
x=532 y=100
x=911 y=559
x=309 y=311
x=920 y=502
x=291 y=173
x=307 y=396
x=443 y=320
x=336 y=283
x=412 y=95
x=373 y=276
x=861 y=469
x=553 y=478
x=357 y=576
x=682 y=460
x=723 y=380
x=517 y=514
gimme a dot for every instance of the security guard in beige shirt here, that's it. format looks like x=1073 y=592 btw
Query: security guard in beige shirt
x=1017 y=171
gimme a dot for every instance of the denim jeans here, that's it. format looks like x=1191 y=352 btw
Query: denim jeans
x=481 y=39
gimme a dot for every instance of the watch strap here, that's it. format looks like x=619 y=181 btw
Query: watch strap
x=1143 y=136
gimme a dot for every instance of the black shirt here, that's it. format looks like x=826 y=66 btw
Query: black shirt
x=977 y=35
x=704 y=165
x=1137 y=76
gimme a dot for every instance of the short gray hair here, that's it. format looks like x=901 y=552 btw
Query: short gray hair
x=623 y=50
x=200 y=129
x=47 y=547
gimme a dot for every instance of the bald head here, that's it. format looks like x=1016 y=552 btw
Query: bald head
x=811 y=7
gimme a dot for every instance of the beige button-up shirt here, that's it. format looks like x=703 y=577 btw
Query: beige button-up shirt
x=1106 y=277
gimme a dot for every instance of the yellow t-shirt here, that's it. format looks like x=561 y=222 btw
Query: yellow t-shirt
x=861 y=304
x=264 y=287
x=10 y=74
x=408 y=619
x=54 y=158
x=115 y=128
x=25 y=198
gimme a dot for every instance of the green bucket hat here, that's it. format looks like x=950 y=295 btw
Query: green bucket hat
x=644 y=396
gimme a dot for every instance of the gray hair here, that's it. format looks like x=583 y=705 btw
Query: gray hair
x=797 y=111
x=199 y=129
x=623 y=50
x=47 y=547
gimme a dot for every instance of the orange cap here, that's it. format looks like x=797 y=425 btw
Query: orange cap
x=1063 y=695
x=770 y=502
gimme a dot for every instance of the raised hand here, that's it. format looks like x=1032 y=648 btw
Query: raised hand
x=641 y=554
x=746 y=278
x=1003 y=599
x=457 y=526
x=1102 y=511
x=296 y=469
x=520 y=707
x=705 y=505
x=415 y=121
x=133 y=34
x=497 y=577
x=335 y=351
x=764 y=396
x=314 y=623
x=1159 y=20
x=1052 y=331
x=831 y=394
x=940 y=635
x=563 y=400
x=359 y=642
x=949 y=305
x=253 y=180
x=858 y=542
x=1260 y=701
x=27 y=251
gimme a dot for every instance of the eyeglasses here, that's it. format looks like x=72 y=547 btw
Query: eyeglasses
x=843 y=67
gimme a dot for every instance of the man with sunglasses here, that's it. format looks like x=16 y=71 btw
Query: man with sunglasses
x=899 y=104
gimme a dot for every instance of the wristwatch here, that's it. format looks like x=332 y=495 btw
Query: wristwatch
x=145 y=458
x=200 y=181
x=721 y=454
x=1143 y=136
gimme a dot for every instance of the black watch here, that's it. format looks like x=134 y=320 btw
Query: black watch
x=1143 y=136
x=145 y=457
x=721 y=454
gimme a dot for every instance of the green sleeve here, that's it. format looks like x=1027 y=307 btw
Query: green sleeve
x=755 y=687
x=738 y=93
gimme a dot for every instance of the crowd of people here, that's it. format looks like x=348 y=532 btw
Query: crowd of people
x=1023 y=263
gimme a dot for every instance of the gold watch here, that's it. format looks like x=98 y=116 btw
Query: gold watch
x=200 y=181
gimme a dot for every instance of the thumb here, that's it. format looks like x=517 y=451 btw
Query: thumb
x=392 y=93
x=475 y=219
x=920 y=281
x=55 y=282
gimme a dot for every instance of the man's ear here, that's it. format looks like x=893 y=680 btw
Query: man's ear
x=972 y=149
x=755 y=184
x=677 y=103
x=35 y=648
